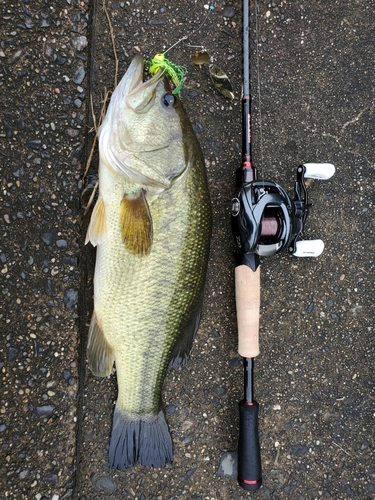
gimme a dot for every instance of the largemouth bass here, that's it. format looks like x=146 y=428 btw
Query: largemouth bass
x=152 y=226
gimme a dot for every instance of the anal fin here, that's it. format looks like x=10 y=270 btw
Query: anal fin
x=97 y=230
x=99 y=353
x=136 y=224
x=181 y=350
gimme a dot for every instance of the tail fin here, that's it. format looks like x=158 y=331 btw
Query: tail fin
x=146 y=441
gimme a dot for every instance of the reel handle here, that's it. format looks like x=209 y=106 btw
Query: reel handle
x=308 y=248
x=320 y=171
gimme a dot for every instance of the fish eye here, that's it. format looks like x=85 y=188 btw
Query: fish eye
x=168 y=100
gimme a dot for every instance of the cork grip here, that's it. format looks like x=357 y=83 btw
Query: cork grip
x=247 y=304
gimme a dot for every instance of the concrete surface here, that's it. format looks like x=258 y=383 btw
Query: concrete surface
x=315 y=375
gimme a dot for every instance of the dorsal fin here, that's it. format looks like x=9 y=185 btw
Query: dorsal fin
x=97 y=230
x=136 y=224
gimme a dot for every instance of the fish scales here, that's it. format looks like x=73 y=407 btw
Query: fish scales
x=147 y=298
x=146 y=295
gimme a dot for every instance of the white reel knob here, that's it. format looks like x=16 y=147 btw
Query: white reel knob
x=309 y=248
x=321 y=171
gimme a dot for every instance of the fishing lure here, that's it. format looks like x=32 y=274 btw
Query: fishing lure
x=174 y=72
x=221 y=81
x=200 y=58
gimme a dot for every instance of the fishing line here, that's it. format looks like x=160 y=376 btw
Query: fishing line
x=185 y=37
x=259 y=94
x=175 y=72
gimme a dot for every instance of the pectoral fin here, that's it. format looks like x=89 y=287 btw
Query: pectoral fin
x=136 y=224
x=99 y=353
x=97 y=230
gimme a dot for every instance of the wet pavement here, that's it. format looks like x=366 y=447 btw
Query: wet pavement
x=314 y=375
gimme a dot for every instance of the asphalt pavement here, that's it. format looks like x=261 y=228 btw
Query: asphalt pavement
x=314 y=377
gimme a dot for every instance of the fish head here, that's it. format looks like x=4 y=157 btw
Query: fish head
x=143 y=135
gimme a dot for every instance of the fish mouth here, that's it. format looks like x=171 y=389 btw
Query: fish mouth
x=116 y=144
x=140 y=93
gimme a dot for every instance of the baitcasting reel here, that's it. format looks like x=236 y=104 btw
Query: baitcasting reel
x=265 y=220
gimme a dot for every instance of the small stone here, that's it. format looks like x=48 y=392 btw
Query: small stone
x=187 y=440
x=299 y=449
x=75 y=17
x=71 y=261
x=49 y=50
x=228 y=464
x=310 y=308
x=12 y=353
x=34 y=143
x=15 y=56
x=61 y=60
x=48 y=287
x=61 y=244
x=72 y=132
x=234 y=362
x=45 y=410
x=228 y=11
x=70 y=298
x=220 y=391
x=79 y=75
x=50 y=477
x=50 y=236
x=24 y=474
x=104 y=482
x=20 y=172
x=197 y=127
x=8 y=129
x=80 y=43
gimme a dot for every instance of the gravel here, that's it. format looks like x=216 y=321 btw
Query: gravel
x=39 y=247
x=314 y=375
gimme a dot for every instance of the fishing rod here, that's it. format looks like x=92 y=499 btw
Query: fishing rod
x=264 y=220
